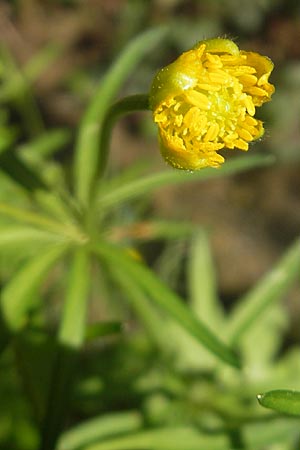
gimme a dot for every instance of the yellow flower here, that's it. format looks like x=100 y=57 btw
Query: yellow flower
x=206 y=100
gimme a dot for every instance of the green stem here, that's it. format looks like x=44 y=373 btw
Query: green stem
x=91 y=125
x=127 y=105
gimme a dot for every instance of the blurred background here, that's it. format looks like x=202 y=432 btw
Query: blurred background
x=60 y=50
x=252 y=217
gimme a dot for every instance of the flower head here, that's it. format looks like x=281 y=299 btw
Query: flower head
x=206 y=101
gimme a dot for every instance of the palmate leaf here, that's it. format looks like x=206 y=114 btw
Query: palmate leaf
x=167 y=300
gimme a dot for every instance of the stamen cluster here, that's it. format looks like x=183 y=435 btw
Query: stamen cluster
x=206 y=100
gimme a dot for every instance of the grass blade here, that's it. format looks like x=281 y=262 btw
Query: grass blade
x=167 y=300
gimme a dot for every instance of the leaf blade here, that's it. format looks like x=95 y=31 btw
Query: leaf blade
x=268 y=290
x=149 y=183
x=281 y=400
x=16 y=296
x=100 y=428
x=167 y=300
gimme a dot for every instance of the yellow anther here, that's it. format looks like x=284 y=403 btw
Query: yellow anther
x=257 y=91
x=212 y=132
x=242 y=145
x=197 y=98
x=248 y=80
x=244 y=134
x=249 y=105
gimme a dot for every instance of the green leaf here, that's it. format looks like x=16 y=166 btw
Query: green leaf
x=25 y=240
x=149 y=183
x=173 y=438
x=34 y=352
x=72 y=329
x=266 y=433
x=18 y=296
x=101 y=329
x=16 y=88
x=203 y=301
x=8 y=136
x=257 y=436
x=70 y=339
x=145 y=311
x=67 y=231
x=202 y=282
x=269 y=289
x=267 y=335
x=170 y=302
x=19 y=172
x=17 y=81
x=53 y=205
x=87 y=148
x=45 y=145
x=99 y=428
x=281 y=400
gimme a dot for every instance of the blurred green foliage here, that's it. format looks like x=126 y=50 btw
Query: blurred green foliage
x=99 y=351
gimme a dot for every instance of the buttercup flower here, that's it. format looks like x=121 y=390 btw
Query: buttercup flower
x=206 y=101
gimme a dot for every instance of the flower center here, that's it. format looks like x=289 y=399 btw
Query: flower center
x=218 y=111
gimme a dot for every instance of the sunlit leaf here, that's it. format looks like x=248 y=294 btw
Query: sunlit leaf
x=281 y=400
